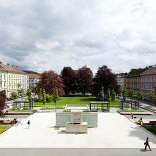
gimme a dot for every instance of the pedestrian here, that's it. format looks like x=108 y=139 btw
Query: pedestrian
x=28 y=123
x=132 y=115
x=146 y=143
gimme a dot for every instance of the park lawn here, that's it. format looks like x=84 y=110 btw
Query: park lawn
x=152 y=129
x=68 y=100
x=3 y=128
x=63 y=101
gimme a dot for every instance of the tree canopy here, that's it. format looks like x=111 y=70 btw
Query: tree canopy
x=2 y=101
x=50 y=81
x=69 y=80
x=84 y=80
x=104 y=77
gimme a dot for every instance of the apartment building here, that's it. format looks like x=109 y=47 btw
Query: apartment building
x=133 y=80
x=148 y=81
x=33 y=79
x=12 y=79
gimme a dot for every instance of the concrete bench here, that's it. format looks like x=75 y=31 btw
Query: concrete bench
x=6 y=121
x=136 y=113
x=18 y=113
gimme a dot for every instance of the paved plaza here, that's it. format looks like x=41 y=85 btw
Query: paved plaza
x=113 y=131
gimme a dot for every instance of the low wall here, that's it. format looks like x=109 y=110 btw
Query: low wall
x=89 y=117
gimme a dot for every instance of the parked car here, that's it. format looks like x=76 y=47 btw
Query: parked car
x=11 y=98
x=146 y=99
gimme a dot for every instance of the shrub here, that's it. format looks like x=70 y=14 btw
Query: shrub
x=113 y=95
x=14 y=95
x=130 y=93
x=124 y=92
x=140 y=96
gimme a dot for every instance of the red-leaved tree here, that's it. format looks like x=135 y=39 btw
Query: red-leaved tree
x=50 y=81
x=2 y=101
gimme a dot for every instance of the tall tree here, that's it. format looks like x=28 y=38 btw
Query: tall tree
x=50 y=81
x=69 y=80
x=104 y=77
x=44 y=97
x=124 y=93
x=108 y=95
x=29 y=94
x=84 y=82
x=113 y=95
x=55 y=97
x=102 y=94
x=2 y=101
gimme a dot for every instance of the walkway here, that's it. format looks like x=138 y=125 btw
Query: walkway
x=113 y=131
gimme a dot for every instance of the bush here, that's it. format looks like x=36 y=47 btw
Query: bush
x=108 y=95
x=49 y=98
x=124 y=92
x=113 y=96
x=14 y=95
x=130 y=93
x=140 y=96
x=151 y=96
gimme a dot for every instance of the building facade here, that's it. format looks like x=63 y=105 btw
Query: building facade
x=148 y=81
x=120 y=80
x=33 y=79
x=133 y=80
x=12 y=79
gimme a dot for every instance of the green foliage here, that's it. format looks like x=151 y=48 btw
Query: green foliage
x=113 y=95
x=4 y=128
x=108 y=95
x=49 y=98
x=151 y=96
x=130 y=93
x=55 y=96
x=40 y=95
x=102 y=94
x=133 y=70
x=14 y=95
x=119 y=90
x=124 y=92
x=21 y=92
x=44 y=97
x=140 y=96
x=29 y=94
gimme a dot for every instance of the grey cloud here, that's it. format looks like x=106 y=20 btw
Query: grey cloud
x=50 y=34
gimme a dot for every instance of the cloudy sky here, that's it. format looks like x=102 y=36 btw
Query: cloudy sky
x=41 y=35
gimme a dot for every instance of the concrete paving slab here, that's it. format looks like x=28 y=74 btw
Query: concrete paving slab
x=113 y=131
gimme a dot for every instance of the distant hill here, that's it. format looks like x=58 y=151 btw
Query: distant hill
x=30 y=72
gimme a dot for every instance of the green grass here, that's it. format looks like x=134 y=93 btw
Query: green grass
x=3 y=128
x=150 y=108
x=133 y=110
x=151 y=129
x=63 y=101
x=24 y=110
x=68 y=100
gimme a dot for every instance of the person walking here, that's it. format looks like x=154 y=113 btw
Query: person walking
x=132 y=115
x=147 y=144
x=28 y=123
